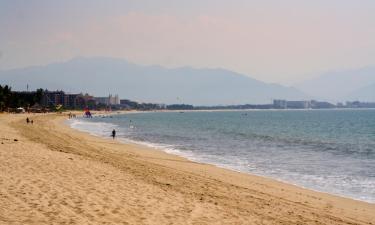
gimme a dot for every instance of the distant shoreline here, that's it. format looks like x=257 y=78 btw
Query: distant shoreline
x=115 y=112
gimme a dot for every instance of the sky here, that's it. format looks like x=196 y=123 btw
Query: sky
x=271 y=40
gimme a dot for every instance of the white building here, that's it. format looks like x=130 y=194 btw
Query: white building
x=110 y=100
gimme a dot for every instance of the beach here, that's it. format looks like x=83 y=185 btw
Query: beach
x=52 y=174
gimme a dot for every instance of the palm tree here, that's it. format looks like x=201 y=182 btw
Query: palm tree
x=5 y=97
x=2 y=104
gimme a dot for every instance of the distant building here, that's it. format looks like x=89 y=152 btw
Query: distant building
x=54 y=98
x=340 y=105
x=114 y=100
x=102 y=100
x=358 y=104
x=284 y=104
x=127 y=104
x=298 y=104
x=321 y=105
x=110 y=100
x=368 y=105
x=279 y=104
x=73 y=101
x=313 y=104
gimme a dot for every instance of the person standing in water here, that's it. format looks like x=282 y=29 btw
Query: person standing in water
x=113 y=133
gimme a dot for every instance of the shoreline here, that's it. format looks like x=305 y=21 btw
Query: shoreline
x=155 y=147
x=191 y=157
x=222 y=195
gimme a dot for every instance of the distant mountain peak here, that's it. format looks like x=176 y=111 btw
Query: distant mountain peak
x=338 y=85
x=366 y=94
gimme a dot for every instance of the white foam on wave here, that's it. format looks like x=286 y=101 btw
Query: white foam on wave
x=94 y=128
x=171 y=149
x=103 y=129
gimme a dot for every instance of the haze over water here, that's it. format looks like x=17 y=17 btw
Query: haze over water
x=325 y=150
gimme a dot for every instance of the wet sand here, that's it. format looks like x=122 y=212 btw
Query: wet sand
x=53 y=174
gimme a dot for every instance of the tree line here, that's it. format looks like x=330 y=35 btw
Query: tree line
x=13 y=99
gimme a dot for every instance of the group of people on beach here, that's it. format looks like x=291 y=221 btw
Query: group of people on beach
x=29 y=121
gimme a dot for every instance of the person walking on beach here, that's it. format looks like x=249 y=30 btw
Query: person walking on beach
x=27 y=120
x=113 y=133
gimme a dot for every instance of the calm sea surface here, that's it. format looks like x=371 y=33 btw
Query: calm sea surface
x=325 y=150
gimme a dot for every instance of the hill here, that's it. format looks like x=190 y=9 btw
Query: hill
x=100 y=76
x=366 y=94
x=339 y=85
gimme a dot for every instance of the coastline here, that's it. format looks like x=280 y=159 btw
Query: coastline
x=179 y=190
x=338 y=182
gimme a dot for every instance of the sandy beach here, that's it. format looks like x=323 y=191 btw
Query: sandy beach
x=52 y=174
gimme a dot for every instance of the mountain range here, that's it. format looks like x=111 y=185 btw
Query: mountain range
x=354 y=84
x=101 y=76
x=366 y=93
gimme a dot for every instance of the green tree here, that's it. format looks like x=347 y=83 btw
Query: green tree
x=5 y=97
x=38 y=95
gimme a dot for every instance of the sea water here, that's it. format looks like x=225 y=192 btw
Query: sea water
x=331 y=151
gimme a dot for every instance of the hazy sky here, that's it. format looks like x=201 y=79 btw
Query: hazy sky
x=271 y=40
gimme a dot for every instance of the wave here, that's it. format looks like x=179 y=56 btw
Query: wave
x=336 y=148
x=102 y=129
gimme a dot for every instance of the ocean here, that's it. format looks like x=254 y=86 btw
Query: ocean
x=331 y=151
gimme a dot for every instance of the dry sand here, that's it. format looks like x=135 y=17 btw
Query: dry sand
x=55 y=175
